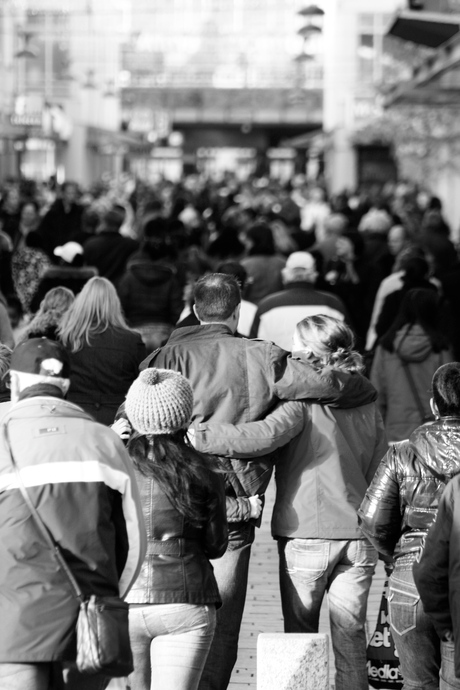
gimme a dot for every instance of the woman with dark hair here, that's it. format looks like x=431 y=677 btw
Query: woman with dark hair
x=405 y=360
x=262 y=264
x=415 y=276
x=173 y=601
x=104 y=353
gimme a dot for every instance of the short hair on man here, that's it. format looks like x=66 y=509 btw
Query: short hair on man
x=446 y=389
x=216 y=297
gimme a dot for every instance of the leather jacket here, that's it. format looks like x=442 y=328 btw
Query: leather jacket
x=402 y=500
x=176 y=568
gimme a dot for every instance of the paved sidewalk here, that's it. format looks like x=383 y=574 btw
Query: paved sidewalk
x=263 y=607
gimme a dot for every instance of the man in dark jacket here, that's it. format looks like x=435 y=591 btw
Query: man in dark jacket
x=109 y=251
x=79 y=478
x=437 y=574
x=399 y=508
x=239 y=380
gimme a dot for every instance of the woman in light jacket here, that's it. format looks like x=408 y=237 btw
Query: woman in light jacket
x=321 y=478
x=405 y=361
x=104 y=353
x=173 y=601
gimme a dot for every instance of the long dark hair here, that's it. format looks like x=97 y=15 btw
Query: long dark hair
x=183 y=474
x=419 y=306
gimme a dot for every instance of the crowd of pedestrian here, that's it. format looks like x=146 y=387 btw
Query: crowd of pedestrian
x=164 y=350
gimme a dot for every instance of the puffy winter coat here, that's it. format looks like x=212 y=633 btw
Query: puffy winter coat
x=78 y=476
x=402 y=500
x=396 y=400
x=150 y=292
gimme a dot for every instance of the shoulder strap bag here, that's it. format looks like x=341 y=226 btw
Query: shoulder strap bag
x=102 y=625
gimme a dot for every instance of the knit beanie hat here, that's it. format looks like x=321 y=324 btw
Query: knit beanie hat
x=159 y=402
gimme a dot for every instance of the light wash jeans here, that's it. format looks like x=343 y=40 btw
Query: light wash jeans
x=426 y=662
x=231 y=572
x=343 y=568
x=170 y=644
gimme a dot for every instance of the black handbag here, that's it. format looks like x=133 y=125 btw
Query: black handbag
x=102 y=625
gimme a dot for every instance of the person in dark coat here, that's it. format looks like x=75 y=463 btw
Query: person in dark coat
x=398 y=510
x=415 y=276
x=69 y=273
x=108 y=250
x=63 y=221
x=150 y=292
x=437 y=579
x=104 y=353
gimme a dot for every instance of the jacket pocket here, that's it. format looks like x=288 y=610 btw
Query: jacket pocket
x=403 y=598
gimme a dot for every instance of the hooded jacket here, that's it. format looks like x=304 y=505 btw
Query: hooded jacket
x=79 y=478
x=150 y=292
x=402 y=501
x=396 y=400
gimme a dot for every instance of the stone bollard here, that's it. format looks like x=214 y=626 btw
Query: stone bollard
x=292 y=661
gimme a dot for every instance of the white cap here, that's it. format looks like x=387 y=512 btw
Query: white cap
x=302 y=260
x=68 y=251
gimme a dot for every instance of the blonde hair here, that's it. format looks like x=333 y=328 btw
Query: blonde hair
x=328 y=342
x=94 y=310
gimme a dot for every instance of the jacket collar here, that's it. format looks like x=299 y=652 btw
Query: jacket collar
x=206 y=332
x=303 y=284
x=41 y=389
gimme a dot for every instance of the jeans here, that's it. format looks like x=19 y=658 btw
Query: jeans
x=343 y=568
x=170 y=643
x=231 y=572
x=47 y=676
x=422 y=655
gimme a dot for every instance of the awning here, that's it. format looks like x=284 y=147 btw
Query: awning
x=430 y=29
x=436 y=81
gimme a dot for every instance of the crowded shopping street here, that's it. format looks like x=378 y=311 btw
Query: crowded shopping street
x=229 y=345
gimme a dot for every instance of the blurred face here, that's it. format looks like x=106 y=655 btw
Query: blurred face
x=29 y=216
x=13 y=198
x=69 y=194
x=396 y=239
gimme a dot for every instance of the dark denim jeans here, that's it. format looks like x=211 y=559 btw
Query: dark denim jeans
x=310 y=568
x=416 y=640
x=231 y=573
